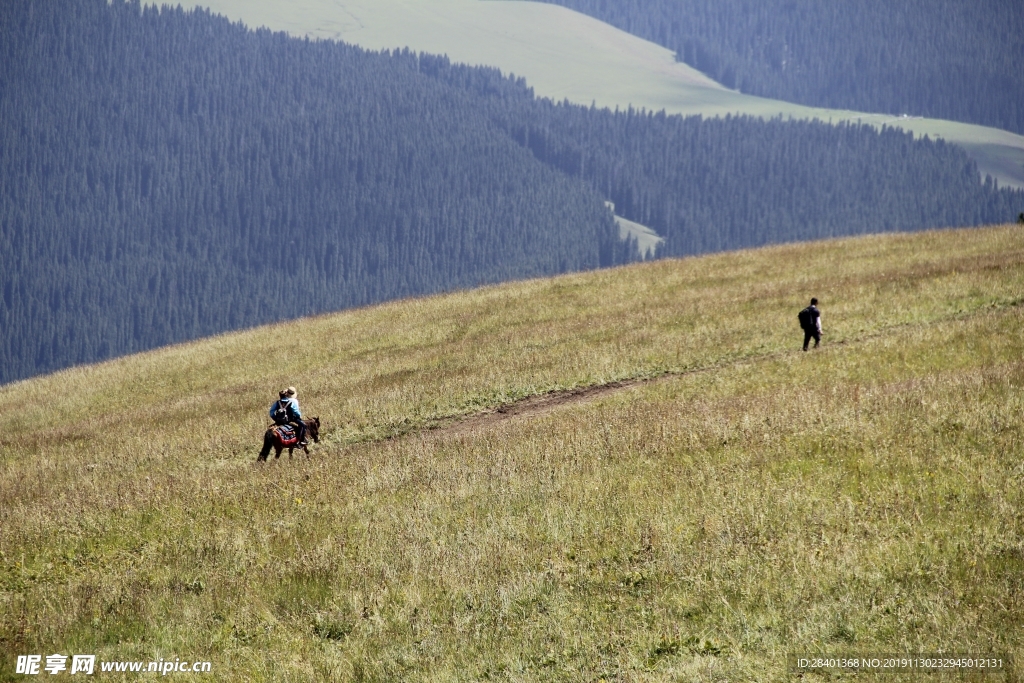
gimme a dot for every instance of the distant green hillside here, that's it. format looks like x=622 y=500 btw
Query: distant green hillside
x=948 y=59
x=626 y=475
x=567 y=55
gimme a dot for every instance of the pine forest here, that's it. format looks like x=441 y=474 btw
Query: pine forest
x=168 y=175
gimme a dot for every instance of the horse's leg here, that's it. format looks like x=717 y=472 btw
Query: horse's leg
x=268 y=442
x=277 y=451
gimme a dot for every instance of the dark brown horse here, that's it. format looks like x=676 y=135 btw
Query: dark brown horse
x=272 y=439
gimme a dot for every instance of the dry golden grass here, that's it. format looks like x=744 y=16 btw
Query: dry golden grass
x=751 y=502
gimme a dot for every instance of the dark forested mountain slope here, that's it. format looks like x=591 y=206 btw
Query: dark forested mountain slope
x=708 y=185
x=949 y=59
x=167 y=175
x=713 y=184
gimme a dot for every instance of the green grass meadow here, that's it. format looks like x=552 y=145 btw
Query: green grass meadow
x=736 y=501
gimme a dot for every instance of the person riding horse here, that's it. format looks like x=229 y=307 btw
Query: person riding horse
x=285 y=411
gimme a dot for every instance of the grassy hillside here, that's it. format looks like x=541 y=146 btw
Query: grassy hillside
x=731 y=501
x=946 y=59
x=568 y=55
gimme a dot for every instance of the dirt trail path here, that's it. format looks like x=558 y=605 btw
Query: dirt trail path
x=542 y=404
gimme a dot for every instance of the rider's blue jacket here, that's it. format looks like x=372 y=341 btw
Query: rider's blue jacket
x=291 y=407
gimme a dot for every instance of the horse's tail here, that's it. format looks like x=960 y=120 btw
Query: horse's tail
x=268 y=443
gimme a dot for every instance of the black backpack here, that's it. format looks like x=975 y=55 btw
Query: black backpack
x=806 y=317
x=280 y=412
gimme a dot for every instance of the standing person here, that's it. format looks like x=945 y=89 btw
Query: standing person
x=286 y=411
x=810 y=321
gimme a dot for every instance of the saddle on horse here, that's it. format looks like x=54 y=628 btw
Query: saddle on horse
x=288 y=434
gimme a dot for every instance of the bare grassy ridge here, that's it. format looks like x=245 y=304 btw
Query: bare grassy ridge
x=754 y=501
